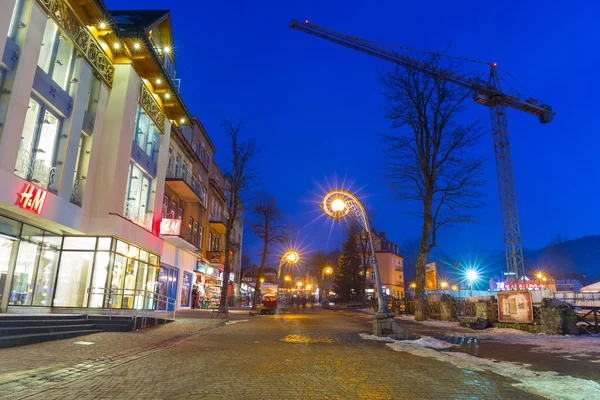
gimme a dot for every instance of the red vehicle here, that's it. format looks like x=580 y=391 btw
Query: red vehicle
x=269 y=304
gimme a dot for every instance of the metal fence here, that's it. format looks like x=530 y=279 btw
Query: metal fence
x=579 y=299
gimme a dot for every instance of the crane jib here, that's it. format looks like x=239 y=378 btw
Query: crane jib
x=484 y=93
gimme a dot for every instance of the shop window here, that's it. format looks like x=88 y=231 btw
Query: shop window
x=104 y=243
x=79 y=243
x=99 y=279
x=138 y=198
x=81 y=168
x=146 y=134
x=186 y=285
x=73 y=280
x=56 y=55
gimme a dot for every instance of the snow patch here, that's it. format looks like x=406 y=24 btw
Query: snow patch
x=548 y=384
x=424 y=341
x=235 y=321
x=84 y=343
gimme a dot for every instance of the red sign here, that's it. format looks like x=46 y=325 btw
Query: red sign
x=170 y=227
x=32 y=198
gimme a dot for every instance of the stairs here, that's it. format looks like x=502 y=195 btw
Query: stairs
x=19 y=330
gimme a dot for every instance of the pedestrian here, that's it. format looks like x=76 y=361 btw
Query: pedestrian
x=303 y=302
x=195 y=297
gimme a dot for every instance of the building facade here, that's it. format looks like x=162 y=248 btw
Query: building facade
x=92 y=126
x=391 y=267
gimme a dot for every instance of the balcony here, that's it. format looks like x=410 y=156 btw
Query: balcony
x=188 y=188
x=179 y=236
x=217 y=224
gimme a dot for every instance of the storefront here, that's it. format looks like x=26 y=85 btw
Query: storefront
x=39 y=268
x=208 y=284
x=167 y=285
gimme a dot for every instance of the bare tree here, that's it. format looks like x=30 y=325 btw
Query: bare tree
x=242 y=179
x=269 y=228
x=428 y=162
x=409 y=249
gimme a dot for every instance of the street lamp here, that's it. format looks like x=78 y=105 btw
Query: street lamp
x=413 y=285
x=287 y=278
x=338 y=204
x=308 y=287
x=444 y=285
x=299 y=284
x=328 y=271
x=472 y=276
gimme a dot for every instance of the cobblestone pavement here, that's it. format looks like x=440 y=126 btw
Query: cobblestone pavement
x=295 y=355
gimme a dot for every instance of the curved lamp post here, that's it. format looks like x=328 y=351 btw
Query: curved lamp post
x=338 y=204
x=289 y=257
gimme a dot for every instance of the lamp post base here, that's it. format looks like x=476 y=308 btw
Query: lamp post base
x=385 y=325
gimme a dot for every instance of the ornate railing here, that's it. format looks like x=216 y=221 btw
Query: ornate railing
x=151 y=106
x=85 y=42
x=36 y=171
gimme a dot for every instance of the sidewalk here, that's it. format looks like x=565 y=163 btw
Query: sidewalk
x=98 y=349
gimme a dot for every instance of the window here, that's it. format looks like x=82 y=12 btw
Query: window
x=170 y=165
x=36 y=156
x=184 y=169
x=201 y=237
x=146 y=134
x=14 y=22
x=165 y=207
x=138 y=202
x=57 y=55
x=173 y=209
x=180 y=209
x=81 y=168
x=372 y=276
x=177 y=164
x=195 y=233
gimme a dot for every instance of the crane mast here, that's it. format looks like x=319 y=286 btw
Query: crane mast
x=484 y=93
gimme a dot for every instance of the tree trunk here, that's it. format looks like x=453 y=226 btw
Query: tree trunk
x=263 y=261
x=420 y=295
x=226 y=273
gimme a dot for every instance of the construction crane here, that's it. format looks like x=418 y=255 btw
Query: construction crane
x=485 y=93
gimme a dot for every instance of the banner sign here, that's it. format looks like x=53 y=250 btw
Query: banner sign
x=170 y=227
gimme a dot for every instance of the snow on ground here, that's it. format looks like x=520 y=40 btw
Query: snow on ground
x=235 y=321
x=548 y=384
x=568 y=344
x=423 y=341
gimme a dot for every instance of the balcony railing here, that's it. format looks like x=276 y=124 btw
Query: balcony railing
x=183 y=233
x=194 y=184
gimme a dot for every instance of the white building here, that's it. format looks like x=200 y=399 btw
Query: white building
x=85 y=120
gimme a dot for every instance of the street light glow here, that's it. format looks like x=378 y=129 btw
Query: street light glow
x=308 y=287
x=454 y=287
x=539 y=275
x=299 y=284
x=444 y=285
x=472 y=275
x=338 y=205
x=328 y=271
x=287 y=278
x=291 y=257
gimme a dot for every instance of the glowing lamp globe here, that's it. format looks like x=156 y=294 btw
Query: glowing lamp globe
x=472 y=275
x=292 y=257
x=338 y=205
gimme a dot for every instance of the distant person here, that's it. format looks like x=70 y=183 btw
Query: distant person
x=303 y=300
x=195 y=297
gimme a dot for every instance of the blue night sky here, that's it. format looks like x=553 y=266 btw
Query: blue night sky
x=315 y=110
